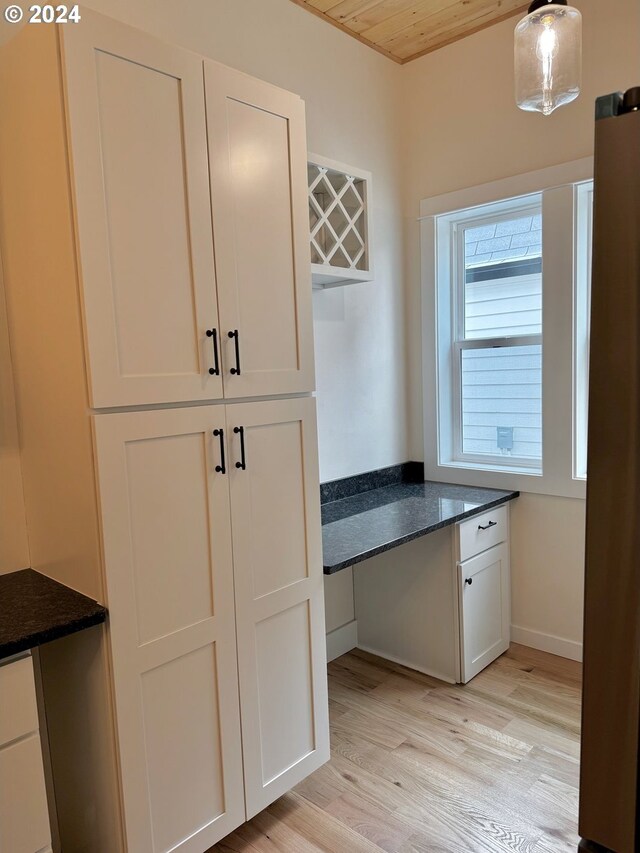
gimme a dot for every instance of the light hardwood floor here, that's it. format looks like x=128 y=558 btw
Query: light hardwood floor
x=419 y=766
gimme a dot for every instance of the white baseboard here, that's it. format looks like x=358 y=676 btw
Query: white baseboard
x=547 y=643
x=409 y=664
x=342 y=640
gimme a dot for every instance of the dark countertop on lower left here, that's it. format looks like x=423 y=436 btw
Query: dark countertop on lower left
x=35 y=609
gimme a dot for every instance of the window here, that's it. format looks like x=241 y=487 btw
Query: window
x=497 y=358
x=582 y=321
x=506 y=270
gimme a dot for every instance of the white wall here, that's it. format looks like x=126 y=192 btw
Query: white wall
x=462 y=128
x=14 y=547
x=547 y=573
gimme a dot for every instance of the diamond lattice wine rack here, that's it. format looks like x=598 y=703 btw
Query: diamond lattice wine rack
x=339 y=214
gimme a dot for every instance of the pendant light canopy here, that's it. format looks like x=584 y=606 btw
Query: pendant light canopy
x=548 y=56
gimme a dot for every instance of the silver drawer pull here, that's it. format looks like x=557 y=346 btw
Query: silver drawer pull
x=486 y=527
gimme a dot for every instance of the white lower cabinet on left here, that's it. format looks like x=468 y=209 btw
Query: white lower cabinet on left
x=212 y=550
x=24 y=814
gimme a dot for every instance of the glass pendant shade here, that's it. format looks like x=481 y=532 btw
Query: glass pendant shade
x=548 y=57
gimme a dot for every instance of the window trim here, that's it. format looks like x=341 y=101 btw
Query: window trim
x=557 y=183
x=582 y=321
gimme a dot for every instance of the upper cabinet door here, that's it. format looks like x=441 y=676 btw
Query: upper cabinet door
x=140 y=177
x=167 y=547
x=257 y=150
x=277 y=555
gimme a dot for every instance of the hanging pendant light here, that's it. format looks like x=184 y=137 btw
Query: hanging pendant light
x=548 y=56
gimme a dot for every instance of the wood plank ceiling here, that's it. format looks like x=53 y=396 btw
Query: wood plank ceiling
x=406 y=29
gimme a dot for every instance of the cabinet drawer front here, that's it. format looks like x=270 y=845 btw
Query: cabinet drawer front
x=482 y=532
x=18 y=709
x=24 y=814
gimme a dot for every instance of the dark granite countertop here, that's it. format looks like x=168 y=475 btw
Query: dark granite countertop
x=363 y=525
x=35 y=609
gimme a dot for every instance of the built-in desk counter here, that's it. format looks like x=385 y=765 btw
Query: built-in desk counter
x=371 y=522
x=440 y=604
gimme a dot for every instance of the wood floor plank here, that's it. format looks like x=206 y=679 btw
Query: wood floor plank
x=271 y=833
x=369 y=727
x=553 y=844
x=420 y=766
x=375 y=824
x=318 y=827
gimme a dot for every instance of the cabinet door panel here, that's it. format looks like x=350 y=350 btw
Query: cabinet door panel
x=167 y=546
x=139 y=151
x=485 y=609
x=18 y=709
x=258 y=193
x=180 y=703
x=279 y=596
x=285 y=694
x=24 y=815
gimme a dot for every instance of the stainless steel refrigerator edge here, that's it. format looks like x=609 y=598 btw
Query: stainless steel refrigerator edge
x=611 y=698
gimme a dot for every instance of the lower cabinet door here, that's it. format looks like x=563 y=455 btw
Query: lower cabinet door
x=164 y=496
x=277 y=551
x=485 y=609
x=24 y=816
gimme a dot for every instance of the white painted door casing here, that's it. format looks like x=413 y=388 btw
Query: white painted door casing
x=279 y=592
x=169 y=576
x=140 y=180
x=257 y=156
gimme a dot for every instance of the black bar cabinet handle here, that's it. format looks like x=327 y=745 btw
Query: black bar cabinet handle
x=486 y=527
x=215 y=370
x=243 y=461
x=221 y=468
x=236 y=370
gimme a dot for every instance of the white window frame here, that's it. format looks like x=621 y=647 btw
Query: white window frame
x=557 y=185
x=582 y=323
x=451 y=228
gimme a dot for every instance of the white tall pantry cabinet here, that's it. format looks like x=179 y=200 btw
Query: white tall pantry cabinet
x=154 y=243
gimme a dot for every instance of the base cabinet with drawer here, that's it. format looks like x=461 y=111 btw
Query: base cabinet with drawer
x=484 y=591
x=440 y=604
x=24 y=813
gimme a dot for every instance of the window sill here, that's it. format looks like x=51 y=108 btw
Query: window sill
x=461 y=464
x=510 y=480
